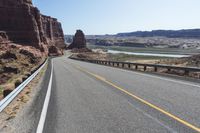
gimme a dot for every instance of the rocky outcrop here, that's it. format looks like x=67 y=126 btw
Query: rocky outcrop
x=25 y=25
x=26 y=38
x=53 y=51
x=3 y=37
x=79 y=41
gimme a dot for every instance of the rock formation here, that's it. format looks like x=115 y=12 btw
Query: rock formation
x=26 y=38
x=23 y=24
x=3 y=38
x=79 y=41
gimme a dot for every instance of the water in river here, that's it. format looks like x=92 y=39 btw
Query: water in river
x=148 y=54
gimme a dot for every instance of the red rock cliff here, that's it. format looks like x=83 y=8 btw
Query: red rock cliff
x=24 y=24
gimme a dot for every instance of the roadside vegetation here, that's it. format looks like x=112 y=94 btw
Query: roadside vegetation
x=136 y=58
x=1 y=90
x=147 y=50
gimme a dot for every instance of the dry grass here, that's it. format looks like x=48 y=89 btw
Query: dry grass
x=12 y=109
x=21 y=60
x=1 y=90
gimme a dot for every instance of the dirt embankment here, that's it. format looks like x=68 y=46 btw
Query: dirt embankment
x=193 y=61
x=16 y=64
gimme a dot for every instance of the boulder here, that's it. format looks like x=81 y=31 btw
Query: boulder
x=54 y=51
x=10 y=69
x=8 y=55
x=6 y=92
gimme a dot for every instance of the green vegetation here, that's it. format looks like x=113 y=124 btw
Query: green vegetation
x=1 y=90
x=125 y=57
x=147 y=50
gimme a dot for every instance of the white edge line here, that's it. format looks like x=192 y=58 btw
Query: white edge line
x=158 y=77
x=45 y=106
x=163 y=78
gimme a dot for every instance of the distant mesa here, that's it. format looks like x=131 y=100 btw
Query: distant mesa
x=79 y=41
x=185 y=33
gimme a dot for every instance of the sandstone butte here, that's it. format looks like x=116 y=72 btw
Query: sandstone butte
x=26 y=38
x=22 y=23
x=79 y=41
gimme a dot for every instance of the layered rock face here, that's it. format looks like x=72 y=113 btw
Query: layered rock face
x=79 y=40
x=25 y=25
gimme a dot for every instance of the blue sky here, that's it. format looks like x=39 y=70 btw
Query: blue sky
x=114 y=16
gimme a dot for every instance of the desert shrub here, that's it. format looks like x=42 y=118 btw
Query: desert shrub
x=1 y=89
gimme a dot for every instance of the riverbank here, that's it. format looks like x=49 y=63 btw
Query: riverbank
x=172 y=51
x=192 y=61
x=149 y=54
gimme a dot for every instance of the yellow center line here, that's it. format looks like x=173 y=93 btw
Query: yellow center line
x=141 y=100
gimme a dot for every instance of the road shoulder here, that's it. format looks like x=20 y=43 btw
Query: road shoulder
x=22 y=114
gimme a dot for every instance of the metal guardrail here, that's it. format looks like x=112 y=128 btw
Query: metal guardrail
x=129 y=65
x=8 y=99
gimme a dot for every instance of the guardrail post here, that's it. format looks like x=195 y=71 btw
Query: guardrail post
x=155 y=69
x=145 y=68
x=122 y=65
x=129 y=65
x=136 y=67
x=186 y=72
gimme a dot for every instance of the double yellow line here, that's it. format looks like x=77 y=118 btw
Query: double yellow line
x=141 y=100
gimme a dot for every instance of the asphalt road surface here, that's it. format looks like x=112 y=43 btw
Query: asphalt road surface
x=91 y=98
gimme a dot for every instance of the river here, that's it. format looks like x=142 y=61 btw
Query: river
x=148 y=54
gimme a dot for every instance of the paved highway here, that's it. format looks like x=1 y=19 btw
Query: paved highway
x=91 y=98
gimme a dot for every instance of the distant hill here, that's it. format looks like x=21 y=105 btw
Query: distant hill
x=188 y=33
x=179 y=39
